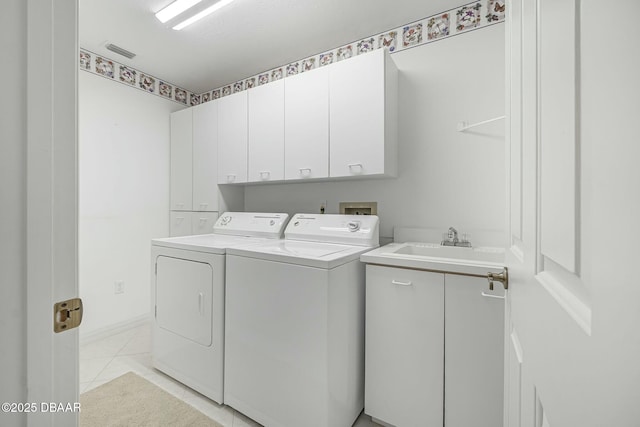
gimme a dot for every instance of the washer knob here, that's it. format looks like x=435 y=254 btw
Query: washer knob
x=353 y=226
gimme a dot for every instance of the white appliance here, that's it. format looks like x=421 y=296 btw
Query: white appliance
x=187 y=298
x=294 y=323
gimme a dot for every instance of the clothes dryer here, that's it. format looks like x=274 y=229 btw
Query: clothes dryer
x=187 y=298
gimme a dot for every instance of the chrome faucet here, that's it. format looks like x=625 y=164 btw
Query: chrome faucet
x=451 y=239
x=452 y=235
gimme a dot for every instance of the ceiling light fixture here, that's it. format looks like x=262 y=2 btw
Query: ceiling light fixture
x=220 y=4
x=175 y=9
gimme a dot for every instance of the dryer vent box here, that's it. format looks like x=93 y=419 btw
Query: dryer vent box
x=359 y=208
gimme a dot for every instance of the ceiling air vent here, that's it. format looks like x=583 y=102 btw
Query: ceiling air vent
x=120 y=51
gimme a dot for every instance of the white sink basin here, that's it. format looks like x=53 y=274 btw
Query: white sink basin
x=456 y=253
x=432 y=256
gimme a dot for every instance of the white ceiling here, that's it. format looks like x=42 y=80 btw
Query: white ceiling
x=242 y=39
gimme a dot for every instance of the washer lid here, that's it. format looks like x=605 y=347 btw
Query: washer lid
x=269 y=225
x=357 y=230
x=311 y=254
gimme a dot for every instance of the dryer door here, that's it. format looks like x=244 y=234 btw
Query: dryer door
x=184 y=298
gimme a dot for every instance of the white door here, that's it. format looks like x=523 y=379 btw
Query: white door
x=357 y=115
x=232 y=138
x=573 y=308
x=180 y=223
x=202 y=222
x=473 y=352
x=182 y=160
x=266 y=132
x=52 y=206
x=205 y=156
x=404 y=346
x=306 y=125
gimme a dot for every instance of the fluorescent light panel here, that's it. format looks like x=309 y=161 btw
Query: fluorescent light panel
x=208 y=11
x=175 y=9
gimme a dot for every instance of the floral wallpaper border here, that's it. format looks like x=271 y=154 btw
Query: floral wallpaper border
x=456 y=21
x=110 y=69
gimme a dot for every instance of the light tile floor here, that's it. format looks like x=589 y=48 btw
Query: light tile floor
x=108 y=358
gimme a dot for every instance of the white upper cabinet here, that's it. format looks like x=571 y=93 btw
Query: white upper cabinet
x=363 y=109
x=266 y=132
x=232 y=138
x=205 y=143
x=181 y=160
x=306 y=125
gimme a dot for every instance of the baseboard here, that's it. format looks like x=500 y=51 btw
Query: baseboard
x=116 y=328
x=380 y=422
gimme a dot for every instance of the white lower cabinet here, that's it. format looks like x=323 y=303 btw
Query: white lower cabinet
x=404 y=346
x=474 y=352
x=434 y=349
x=189 y=223
x=202 y=222
x=180 y=223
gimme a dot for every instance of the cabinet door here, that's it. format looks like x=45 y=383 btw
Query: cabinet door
x=266 y=132
x=474 y=337
x=181 y=160
x=357 y=115
x=205 y=157
x=202 y=222
x=404 y=346
x=180 y=223
x=232 y=138
x=306 y=125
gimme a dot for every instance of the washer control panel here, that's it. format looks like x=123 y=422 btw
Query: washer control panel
x=343 y=229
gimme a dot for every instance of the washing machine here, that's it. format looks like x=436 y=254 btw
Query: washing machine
x=187 y=298
x=294 y=323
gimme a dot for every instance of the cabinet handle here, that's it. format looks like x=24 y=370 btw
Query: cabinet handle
x=179 y=219
x=200 y=305
x=203 y=220
x=491 y=296
x=307 y=174
x=203 y=206
x=231 y=178
x=396 y=282
x=353 y=165
x=264 y=175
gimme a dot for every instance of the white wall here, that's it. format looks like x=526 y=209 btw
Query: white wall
x=13 y=141
x=445 y=178
x=124 y=196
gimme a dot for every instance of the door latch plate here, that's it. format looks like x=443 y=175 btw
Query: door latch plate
x=67 y=315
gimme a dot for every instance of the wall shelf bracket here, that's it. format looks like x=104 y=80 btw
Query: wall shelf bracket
x=463 y=126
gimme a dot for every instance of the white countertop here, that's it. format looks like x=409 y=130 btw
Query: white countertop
x=433 y=257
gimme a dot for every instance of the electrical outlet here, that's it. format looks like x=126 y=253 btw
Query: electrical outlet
x=323 y=206
x=118 y=287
